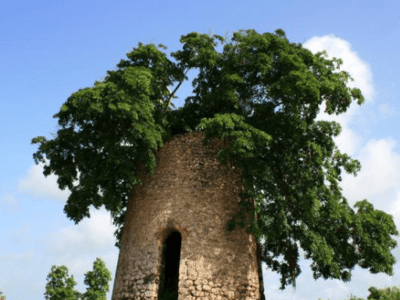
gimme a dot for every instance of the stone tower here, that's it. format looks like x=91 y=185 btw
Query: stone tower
x=175 y=239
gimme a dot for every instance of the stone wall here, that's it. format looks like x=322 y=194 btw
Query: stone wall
x=192 y=194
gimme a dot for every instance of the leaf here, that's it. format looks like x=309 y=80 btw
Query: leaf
x=124 y=106
x=97 y=107
x=112 y=106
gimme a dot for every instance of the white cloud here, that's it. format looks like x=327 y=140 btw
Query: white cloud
x=36 y=184
x=380 y=163
x=90 y=234
x=26 y=258
x=358 y=69
x=9 y=201
x=381 y=168
x=73 y=245
x=386 y=110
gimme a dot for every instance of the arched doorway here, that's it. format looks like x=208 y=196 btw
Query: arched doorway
x=170 y=274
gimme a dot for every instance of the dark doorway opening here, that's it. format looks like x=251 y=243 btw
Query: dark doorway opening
x=170 y=274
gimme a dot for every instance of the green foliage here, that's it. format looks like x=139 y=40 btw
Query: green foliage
x=381 y=294
x=262 y=95
x=61 y=287
x=97 y=280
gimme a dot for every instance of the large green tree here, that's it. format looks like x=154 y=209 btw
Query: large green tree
x=262 y=95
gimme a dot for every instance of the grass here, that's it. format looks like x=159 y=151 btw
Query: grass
x=381 y=294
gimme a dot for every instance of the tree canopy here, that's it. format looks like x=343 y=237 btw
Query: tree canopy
x=262 y=95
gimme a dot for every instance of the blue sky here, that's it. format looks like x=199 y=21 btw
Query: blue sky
x=50 y=49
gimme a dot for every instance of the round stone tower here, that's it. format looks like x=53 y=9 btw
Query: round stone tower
x=175 y=242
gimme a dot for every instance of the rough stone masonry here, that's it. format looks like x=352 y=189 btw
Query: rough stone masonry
x=175 y=238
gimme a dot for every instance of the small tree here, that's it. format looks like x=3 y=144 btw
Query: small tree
x=61 y=287
x=1 y=296
x=97 y=281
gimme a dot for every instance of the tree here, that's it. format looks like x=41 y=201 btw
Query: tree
x=261 y=95
x=61 y=287
x=2 y=297
x=97 y=280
